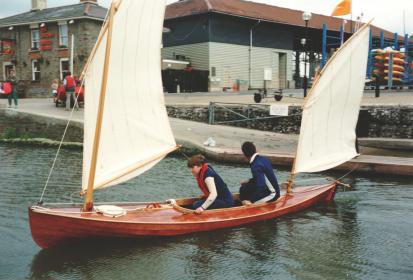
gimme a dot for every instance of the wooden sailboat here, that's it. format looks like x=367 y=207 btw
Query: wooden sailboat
x=127 y=132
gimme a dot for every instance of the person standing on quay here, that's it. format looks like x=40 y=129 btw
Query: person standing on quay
x=69 y=83
x=13 y=95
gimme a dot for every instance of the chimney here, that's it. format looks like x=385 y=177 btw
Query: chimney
x=39 y=5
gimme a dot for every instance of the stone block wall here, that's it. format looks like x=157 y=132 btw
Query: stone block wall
x=381 y=122
x=15 y=124
x=390 y=122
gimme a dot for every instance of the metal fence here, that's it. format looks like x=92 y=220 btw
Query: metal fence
x=249 y=112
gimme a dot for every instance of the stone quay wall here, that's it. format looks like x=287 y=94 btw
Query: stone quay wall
x=15 y=124
x=374 y=121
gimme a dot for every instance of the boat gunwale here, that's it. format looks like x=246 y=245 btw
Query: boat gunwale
x=32 y=209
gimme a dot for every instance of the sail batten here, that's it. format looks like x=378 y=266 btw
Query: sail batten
x=135 y=125
x=330 y=113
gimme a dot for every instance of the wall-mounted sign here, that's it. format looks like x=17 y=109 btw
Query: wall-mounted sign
x=278 y=110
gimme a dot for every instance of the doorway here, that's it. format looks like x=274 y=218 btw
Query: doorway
x=7 y=67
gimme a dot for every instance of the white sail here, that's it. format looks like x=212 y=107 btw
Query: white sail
x=135 y=132
x=327 y=136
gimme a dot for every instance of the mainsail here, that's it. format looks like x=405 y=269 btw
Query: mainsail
x=327 y=136
x=135 y=132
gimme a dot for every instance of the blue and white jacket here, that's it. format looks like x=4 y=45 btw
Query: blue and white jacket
x=264 y=177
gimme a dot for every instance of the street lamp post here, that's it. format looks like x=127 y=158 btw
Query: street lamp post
x=306 y=18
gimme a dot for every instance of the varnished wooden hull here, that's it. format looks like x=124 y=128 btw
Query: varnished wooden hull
x=56 y=226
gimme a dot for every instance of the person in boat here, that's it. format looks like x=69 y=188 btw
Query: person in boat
x=215 y=192
x=263 y=186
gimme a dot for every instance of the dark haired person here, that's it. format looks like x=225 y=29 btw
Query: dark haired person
x=13 y=95
x=216 y=192
x=70 y=83
x=263 y=186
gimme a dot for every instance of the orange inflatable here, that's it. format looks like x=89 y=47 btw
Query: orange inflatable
x=395 y=67
x=396 y=60
x=395 y=73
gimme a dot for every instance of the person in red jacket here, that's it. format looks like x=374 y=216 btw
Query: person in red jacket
x=70 y=84
x=215 y=192
x=13 y=95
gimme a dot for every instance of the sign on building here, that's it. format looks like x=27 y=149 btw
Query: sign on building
x=267 y=74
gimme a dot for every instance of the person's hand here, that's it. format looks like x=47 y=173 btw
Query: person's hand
x=199 y=210
x=243 y=182
x=246 y=202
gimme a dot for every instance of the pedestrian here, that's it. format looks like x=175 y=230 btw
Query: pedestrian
x=69 y=83
x=13 y=95
x=54 y=86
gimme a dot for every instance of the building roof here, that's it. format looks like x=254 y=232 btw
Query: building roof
x=81 y=10
x=261 y=11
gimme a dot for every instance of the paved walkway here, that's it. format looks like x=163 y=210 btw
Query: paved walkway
x=279 y=147
x=292 y=97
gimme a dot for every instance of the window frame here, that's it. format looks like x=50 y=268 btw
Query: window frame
x=36 y=71
x=63 y=36
x=35 y=44
x=61 y=68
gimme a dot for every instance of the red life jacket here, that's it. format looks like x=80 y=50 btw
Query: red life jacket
x=7 y=88
x=70 y=81
x=201 y=179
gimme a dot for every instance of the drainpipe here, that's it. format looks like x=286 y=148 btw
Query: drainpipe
x=72 y=50
x=250 y=54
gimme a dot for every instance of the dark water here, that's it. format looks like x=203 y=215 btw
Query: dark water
x=366 y=234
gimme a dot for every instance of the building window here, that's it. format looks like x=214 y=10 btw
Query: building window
x=213 y=71
x=35 y=39
x=64 y=67
x=63 y=35
x=35 y=70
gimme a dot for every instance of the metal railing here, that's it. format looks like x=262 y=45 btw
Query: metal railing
x=242 y=117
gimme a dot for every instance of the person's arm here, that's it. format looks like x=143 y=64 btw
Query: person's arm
x=210 y=182
x=13 y=80
x=259 y=175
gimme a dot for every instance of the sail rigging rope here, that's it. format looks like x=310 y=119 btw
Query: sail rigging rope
x=40 y=202
x=328 y=178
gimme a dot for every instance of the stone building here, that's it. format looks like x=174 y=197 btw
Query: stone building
x=38 y=44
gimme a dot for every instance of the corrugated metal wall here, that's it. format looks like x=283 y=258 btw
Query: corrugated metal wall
x=198 y=54
x=231 y=63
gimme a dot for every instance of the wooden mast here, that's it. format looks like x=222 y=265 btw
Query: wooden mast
x=88 y=204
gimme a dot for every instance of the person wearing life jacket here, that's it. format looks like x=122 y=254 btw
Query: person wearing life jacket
x=79 y=91
x=263 y=186
x=70 y=84
x=215 y=192
x=12 y=80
